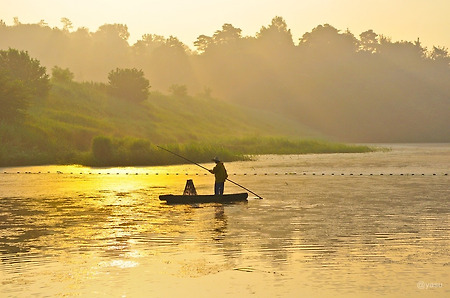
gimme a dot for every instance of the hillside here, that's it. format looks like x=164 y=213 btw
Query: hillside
x=86 y=108
x=354 y=87
x=61 y=128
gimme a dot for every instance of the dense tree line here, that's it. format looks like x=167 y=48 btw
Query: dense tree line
x=359 y=88
x=22 y=78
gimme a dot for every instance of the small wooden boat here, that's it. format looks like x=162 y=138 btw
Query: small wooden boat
x=188 y=199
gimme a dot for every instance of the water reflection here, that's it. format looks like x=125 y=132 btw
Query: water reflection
x=220 y=223
x=66 y=234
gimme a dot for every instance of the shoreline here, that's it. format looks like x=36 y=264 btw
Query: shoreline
x=111 y=152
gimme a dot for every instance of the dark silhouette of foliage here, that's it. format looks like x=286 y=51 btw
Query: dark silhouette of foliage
x=369 y=41
x=325 y=41
x=21 y=78
x=440 y=55
x=363 y=87
x=202 y=43
x=102 y=149
x=144 y=47
x=13 y=98
x=62 y=74
x=113 y=30
x=277 y=34
x=227 y=35
x=129 y=84
x=178 y=90
x=18 y=65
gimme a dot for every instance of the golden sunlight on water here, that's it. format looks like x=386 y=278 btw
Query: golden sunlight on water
x=76 y=231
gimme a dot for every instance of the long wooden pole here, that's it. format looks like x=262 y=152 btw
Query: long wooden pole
x=182 y=157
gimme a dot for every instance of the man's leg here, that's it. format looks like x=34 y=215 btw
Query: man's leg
x=221 y=188
x=216 y=189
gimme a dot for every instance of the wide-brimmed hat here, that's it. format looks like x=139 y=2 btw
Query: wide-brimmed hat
x=216 y=159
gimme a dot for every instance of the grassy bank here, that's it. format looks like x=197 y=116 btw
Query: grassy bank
x=283 y=145
x=80 y=123
x=121 y=152
x=38 y=149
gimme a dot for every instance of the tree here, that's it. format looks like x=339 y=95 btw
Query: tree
x=405 y=53
x=206 y=93
x=178 y=90
x=16 y=21
x=109 y=48
x=202 y=43
x=325 y=40
x=110 y=30
x=276 y=34
x=67 y=24
x=19 y=66
x=369 y=41
x=228 y=34
x=129 y=84
x=441 y=55
x=62 y=75
x=148 y=44
x=102 y=149
x=13 y=98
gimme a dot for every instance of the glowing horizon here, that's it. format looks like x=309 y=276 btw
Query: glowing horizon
x=188 y=20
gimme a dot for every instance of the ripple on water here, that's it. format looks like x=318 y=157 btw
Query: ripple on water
x=326 y=235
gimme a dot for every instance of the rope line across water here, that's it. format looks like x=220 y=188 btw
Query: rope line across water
x=234 y=174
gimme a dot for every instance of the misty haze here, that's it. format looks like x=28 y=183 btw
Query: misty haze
x=340 y=140
x=359 y=88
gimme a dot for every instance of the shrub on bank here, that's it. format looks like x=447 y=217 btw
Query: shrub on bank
x=107 y=151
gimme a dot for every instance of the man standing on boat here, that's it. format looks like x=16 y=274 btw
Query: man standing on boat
x=221 y=175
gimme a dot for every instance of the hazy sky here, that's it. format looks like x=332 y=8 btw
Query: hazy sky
x=186 y=19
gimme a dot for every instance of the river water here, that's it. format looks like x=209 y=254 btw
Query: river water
x=332 y=225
